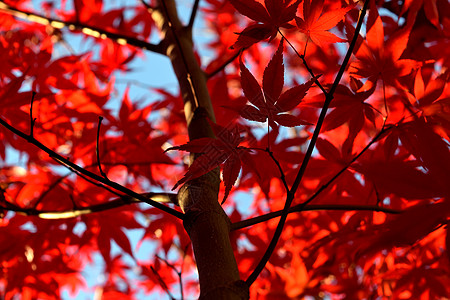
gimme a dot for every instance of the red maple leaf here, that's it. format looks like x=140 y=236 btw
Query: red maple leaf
x=377 y=58
x=429 y=97
x=406 y=229
x=429 y=6
x=269 y=103
x=86 y=11
x=349 y=107
x=275 y=14
x=316 y=25
x=215 y=151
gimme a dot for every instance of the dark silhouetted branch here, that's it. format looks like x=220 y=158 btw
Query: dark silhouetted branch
x=89 y=174
x=291 y=193
x=84 y=28
x=322 y=207
x=118 y=202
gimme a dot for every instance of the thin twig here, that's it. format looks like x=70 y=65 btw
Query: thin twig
x=193 y=14
x=84 y=28
x=377 y=195
x=225 y=63
x=305 y=63
x=136 y=83
x=32 y=120
x=162 y=283
x=50 y=188
x=306 y=47
x=167 y=263
x=147 y=6
x=323 y=187
x=89 y=174
x=290 y=194
x=180 y=274
x=100 y=185
x=315 y=207
x=100 y=119
x=175 y=270
x=272 y=156
x=282 y=176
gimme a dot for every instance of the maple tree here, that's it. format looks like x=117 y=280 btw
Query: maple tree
x=327 y=122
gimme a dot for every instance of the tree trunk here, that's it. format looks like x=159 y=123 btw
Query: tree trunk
x=205 y=221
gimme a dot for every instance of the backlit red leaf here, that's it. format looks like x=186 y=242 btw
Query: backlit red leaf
x=230 y=174
x=402 y=179
x=293 y=96
x=316 y=25
x=273 y=79
x=252 y=9
x=251 y=87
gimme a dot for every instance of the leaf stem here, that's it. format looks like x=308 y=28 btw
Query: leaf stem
x=272 y=156
x=225 y=63
x=305 y=63
x=282 y=176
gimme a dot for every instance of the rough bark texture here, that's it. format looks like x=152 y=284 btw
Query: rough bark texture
x=205 y=221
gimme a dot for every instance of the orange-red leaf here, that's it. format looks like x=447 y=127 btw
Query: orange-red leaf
x=316 y=26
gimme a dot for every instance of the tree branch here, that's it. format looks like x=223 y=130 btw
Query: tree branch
x=93 y=182
x=179 y=273
x=97 y=150
x=193 y=91
x=32 y=120
x=301 y=171
x=226 y=63
x=205 y=220
x=118 y=202
x=316 y=207
x=89 y=174
x=84 y=28
x=298 y=208
x=193 y=14
x=323 y=187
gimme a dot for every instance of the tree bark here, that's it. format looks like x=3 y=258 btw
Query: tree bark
x=205 y=221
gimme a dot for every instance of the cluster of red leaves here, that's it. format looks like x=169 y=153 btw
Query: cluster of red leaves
x=397 y=82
